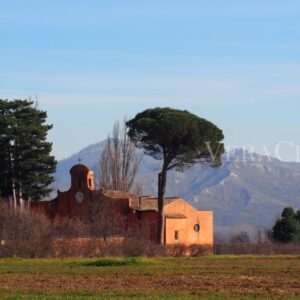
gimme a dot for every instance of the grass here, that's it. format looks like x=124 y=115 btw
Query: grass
x=212 y=277
x=116 y=262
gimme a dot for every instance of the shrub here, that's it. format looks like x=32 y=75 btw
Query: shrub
x=287 y=228
x=257 y=249
x=24 y=233
x=113 y=262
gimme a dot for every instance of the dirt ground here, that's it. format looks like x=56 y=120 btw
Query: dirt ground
x=274 y=277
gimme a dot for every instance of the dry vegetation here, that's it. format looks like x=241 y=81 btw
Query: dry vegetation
x=26 y=234
x=29 y=235
x=216 y=277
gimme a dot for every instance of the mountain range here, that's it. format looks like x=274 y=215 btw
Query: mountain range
x=247 y=190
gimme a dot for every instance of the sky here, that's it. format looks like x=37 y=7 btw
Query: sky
x=90 y=63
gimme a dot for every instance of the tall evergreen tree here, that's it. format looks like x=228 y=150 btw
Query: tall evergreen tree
x=6 y=124
x=24 y=153
x=178 y=138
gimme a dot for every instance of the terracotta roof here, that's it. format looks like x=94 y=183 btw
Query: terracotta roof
x=119 y=194
x=150 y=203
x=141 y=203
x=175 y=216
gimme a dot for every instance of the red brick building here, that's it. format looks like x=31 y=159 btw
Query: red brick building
x=183 y=223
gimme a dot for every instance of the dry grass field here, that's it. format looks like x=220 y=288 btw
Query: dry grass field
x=214 y=277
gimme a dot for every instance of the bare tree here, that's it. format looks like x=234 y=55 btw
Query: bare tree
x=23 y=233
x=242 y=237
x=105 y=220
x=67 y=228
x=138 y=188
x=262 y=235
x=119 y=162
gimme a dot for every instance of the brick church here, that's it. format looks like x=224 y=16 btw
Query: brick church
x=183 y=224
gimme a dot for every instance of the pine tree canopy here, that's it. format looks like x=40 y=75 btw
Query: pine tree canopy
x=178 y=137
x=26 y=166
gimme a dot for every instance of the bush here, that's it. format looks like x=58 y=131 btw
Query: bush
x=24 y=233
x=257 y=249
x=287 y=228
x=114 y=262
x=242 y=237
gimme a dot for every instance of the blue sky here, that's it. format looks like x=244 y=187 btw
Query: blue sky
x=236 y=63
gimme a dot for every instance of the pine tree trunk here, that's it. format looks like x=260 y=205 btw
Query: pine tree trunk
x=12 y=188
x=14 y=196
x=161 y=219
x=21 y=200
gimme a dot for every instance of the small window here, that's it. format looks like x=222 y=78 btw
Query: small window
x=176 y=235
x=79 y=183
x=196 y=227
x=90 y=182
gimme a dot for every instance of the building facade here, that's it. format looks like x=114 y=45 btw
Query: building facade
x=183 y=223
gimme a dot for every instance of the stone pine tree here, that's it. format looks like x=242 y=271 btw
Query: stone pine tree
x=26 y=165
x=178 y=138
